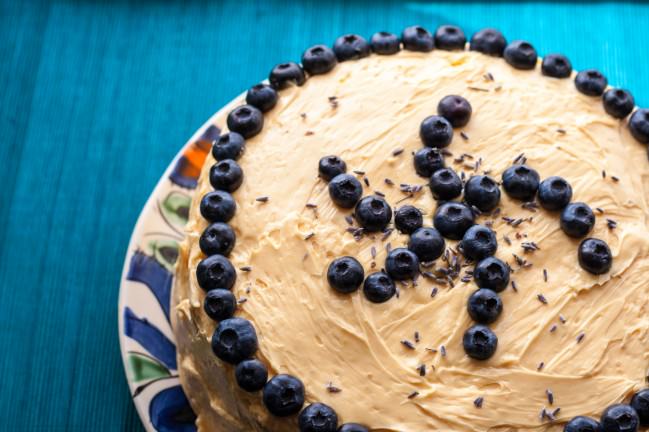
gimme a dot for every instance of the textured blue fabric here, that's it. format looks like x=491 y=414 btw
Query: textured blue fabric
x=97 y=97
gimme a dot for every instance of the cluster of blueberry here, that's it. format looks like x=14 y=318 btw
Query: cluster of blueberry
x=616 y=418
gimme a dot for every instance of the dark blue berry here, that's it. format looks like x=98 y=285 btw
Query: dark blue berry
x=478 y=243
x=217 y=239
x=428 y=160
x=407 y=219
x=245 y=120
x=219 y=304
x=352 y=427
x=416 y=38
x=283 y=395
x=619 y=418
x=226 y=175
x=595 y=256
x=484 y=306
x=577 y=219
x=351 y=47
x=262 y=96
x=591 y=82
x=228 y=146
x=318 y=417
x=215 y=271
x=345 y=190
x=639 y=125
x=385 y=43
x=330 y=166
x=373 y=213
x=401 y=264
x=520 y=182
x=379 y=288
x=427 y=243
x=285 y=75
x=482 y=192
x=455 y=109
x=488 y=41
x=437 y=131
x=452 y=219
x=445 y=184
x=480 y=342
x=618 y=103
x=554 y=193
x=319 y=59
x=345 y=274
x=582 y=424
x=491 y=273
x=556 y=66
x=520 y=55
x=218 y=206
x=234 y=340
x=448 y=37
x=251 y=375
x=640 y=403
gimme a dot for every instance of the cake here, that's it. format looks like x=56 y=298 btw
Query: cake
x=420 y=233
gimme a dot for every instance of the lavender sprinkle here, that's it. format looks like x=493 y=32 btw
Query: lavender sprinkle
x=332 y=388
x=540 y=366
x=397 y=152
x=478 y=402
x=245 y=268
x=580 y=337
x=550 y=396
x=542 y=298
x=413 y=395
x=262 y=199
x=408 y=344
x=553 y=328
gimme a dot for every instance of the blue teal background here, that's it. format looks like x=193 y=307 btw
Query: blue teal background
x=96 y=98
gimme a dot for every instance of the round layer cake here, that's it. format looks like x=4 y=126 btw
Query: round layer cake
x=571 y=338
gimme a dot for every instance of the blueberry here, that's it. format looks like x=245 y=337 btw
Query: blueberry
x=483 y=192
x=427 y=243
x=554 y=193
x=416 y=38
x=556 y=66
x=582 y=424
x=639 y=125
x=218 y=206
x=345 y=190
x=479 y=242
x=401 y=264
x=577 y=219
x=428 y=160
x=251 y=375
x=520 y=182
x=318 y=417
x=345 y=274
x=352 y=427
x=234 y=340
x=228 y=146
x=373 y=213
x=219 y=304
x=595 y=256
x=351 y=47
x=379 y=288
x=217 y=239
x=262 y=96
x=385 y=43
x=448 y=37
x=640 y=403
x=619 y=418
x=285 y=75
x=445 y=184
x=452 y=219
x=520 y=55
x=491 y=273
x=330 y=166
x=407 y=219
x=436 y=131
x=318 y=60
x=591 y=82
x=480 y=342
x=488 y=41
x=455 y=109
x=226 y=175
x=215 y=271
x=618 y=103
x=283 y=395
x=246 y=120
x=484 y=306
